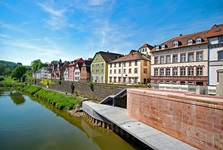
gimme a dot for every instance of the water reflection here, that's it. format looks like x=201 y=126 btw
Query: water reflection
x=17 y=98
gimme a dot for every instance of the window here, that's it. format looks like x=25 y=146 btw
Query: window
x=124 y=71
x=190 y=71
x=168 y=59
x=145 y=70
x=119 y=71
x=124 y=64
x=221 y=39
x=190 y=42
x=182 y=72
x=110 y=79
x=110 y=71
x=175 y=43
x=114 y=79
x=199 y=56
x=174 y=71
x=101 y=79
x=130 y=70
x=135 y=62
x=190 y=83
x=199 y=71
x=182 y=57
x=157 y=47
x=155 y=81
x=161 y=72
x=115 y=71
x=114 y=64
x=119 y=79
x=162 y=59
x=175 y=58
x=130 y=63
x=190 y=57
x=135 y=70
x=167 y=71
x=161 y=82
x=156 y=60
x=220 y=55
x=119 y=64
x=155 y=72
x=198 y=40
x=145 y=63
x=102 y=64
x=124 y=80
x=163 y=46
x=102 y=70
x=174 y=82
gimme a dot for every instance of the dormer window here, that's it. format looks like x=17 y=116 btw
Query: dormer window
x=198 y=40
x=190 y=42
x=157 y=47
x=175 y=43
x=163 y=46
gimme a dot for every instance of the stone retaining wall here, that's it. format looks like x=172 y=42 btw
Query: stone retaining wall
x=189 y=118
x=99 y=92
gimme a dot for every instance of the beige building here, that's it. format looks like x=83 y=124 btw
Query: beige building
x=181 y=60
x=133 y=68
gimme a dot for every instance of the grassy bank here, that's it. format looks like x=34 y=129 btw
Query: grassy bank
x=60 y=101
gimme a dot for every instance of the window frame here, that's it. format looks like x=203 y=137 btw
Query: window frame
x=219 y=55
x=167 y=62
x=198 y=55
x=189 y=72
x=176 y=59
x=188 y=56
x=175 y=68
x=183 y=54
x=189 y=41
x=162 y=62
x=200 y=72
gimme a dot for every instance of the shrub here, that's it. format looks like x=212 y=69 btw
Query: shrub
x=46 y=82
x=1 y=78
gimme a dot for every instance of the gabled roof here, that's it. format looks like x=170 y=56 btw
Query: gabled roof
x=108 y=56
x=216 y=30
x=133 y=55
x=183 y=40
x=146 y=45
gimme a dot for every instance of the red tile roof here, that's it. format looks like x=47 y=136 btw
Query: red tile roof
x=146 y=45
x=183 y=39
x=216 y=30
x=133 y=55
x=108 y=56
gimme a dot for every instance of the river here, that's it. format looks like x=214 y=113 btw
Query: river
x=27 y=123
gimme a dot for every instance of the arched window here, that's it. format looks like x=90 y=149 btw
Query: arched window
x=175 y=43
x=198 y=40
x=190 y=42
x=163 y=46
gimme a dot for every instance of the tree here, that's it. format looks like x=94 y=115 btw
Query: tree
x=2 y=70
x=36 y=64
x=8 y=71
x=18 y=72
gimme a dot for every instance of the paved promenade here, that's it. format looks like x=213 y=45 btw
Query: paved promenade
x=146 y=134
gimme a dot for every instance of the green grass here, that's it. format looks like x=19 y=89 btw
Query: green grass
x=60 y=101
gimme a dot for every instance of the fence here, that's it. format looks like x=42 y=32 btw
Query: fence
x=210 y=90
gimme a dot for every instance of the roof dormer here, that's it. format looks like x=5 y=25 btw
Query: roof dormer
x=157 y=47
x=175 y=43
x=163 y=46
x=189 y=41
x=198 y=40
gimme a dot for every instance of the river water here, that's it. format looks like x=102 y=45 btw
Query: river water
x=27 y=123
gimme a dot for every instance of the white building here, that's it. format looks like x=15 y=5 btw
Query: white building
x=65 y=75
x=77 y=71
x=215 y=38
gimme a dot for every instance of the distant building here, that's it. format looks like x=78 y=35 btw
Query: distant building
x=99 y=66
x=146 y=49
x=181 y=60
x=85 y=74
x=133 y=68
x=77 y=71
x=215 y=38
x=71 y=68
x=58 y=69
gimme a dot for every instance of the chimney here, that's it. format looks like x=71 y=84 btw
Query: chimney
x=180 y=34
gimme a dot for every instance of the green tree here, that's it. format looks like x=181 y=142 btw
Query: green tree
x=8 y=71
x=2 y=70
x=18 y=72
x=36 y=64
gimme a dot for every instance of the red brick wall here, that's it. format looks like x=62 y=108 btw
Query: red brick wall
x=192 y=120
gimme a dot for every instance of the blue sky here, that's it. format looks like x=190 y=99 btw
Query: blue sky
x=69 y=29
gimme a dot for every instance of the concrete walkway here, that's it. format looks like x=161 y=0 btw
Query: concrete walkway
x=146 y=134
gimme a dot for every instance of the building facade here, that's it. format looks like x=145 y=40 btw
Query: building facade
x=99 y=66
x=71 y=68
x=65 y=74
x=77 y=71
x=215 y=38
x=133 y=68
x=181 y=60
x=85 y=74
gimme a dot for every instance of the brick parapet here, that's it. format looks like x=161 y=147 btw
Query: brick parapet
x=190 y=118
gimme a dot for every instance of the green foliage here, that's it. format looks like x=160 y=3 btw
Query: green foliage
x=2 y=70
x=90 y=85
x=8 y=71
x=31 y=89
x=8 y=64
x=54 y=62
x=18 y=72
x=17 y=98
x=36 y=64
x=1 y=78
x=46 y=82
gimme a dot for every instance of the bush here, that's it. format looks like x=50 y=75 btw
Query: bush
x=1 y=78
x=46 y=82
